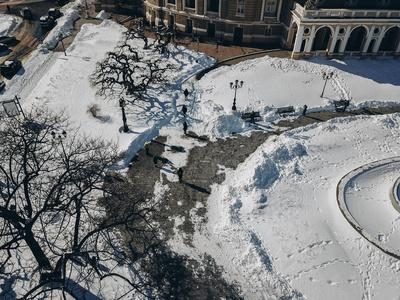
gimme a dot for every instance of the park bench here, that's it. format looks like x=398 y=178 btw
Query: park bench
x=285 y=110
x=341 y=105
x=247 y=116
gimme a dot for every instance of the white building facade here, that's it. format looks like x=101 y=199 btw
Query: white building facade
x=339 y=32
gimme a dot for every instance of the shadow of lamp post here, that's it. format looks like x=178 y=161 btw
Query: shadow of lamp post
x=237 y=85
x=326 y=77
x=122 y=105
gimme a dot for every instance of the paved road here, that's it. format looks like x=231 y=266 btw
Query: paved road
x=28 y=31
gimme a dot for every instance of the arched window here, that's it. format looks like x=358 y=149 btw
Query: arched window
x=356 y=39
x=321 y=39
x=390 y=40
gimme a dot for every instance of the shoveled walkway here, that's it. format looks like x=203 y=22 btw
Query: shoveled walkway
x=204 y=164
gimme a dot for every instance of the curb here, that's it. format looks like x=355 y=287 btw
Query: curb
x=394 y=195
x=225 y=61
x=343 y=207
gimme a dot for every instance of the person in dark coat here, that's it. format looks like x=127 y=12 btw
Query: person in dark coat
x=180 y=175
x=184 y=110
x=8 y=9
x=252 y=116
x=185 y=127
x=186 y=93
x=155 y=160
x=304 y=110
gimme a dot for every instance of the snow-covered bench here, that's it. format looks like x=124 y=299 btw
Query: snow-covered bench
x=341 y=105
x=285 y=110
x=248 y=116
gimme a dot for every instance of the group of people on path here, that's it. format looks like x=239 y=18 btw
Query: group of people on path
x=185 y=127
x=184 y=111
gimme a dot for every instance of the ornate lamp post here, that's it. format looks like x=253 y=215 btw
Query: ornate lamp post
x=62 y=43
x=326 y=77
x=122 y=105
x=235 y=86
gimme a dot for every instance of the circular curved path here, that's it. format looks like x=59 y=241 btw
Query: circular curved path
x=365 y=198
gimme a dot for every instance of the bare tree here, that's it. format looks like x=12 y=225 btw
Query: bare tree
x=52 y=226
x=136 y=63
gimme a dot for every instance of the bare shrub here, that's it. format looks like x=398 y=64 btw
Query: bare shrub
x=93 y=110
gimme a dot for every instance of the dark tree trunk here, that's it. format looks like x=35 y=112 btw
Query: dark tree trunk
x=37 y=251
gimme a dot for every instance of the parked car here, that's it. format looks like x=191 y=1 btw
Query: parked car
x=54 y=13
x=3 y=47
x=2 y=85
x=46 y=21
x=8 y=40
x=26 y=13
x=10 y=67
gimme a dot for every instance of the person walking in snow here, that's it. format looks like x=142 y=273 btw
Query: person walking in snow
x=185 y=127
x=180 y=175
x=146 y=147
x=155 y=160
x=186 y=93
x=184 y=110
x=252 y=116
x=304 y=110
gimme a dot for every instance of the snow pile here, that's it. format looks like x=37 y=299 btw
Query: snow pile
x=64 y=25
x=103 y=15
x=270 y=83
x=7 y=24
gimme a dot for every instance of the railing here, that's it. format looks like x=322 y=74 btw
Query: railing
x=345 y=13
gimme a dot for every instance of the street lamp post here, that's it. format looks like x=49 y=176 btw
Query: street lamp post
x=235 y=86
x=122 y=105
x=62 y=43
x=87 y=10
x=326 y=77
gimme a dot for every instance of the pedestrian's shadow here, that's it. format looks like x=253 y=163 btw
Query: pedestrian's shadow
x=197 y=188
x=177 y=149
x=195 y=136
x=167 y=170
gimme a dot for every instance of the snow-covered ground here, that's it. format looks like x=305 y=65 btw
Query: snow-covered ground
x=274 y=224
x=7 y=24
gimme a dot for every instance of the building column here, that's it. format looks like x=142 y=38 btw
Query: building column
x=334 y=40
x=310 y=40
x=262 y=10
x=398 y=47
x=368 y=41
x=278 y=16
x=345 y=39
x=380 y=38
x=299 y=39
